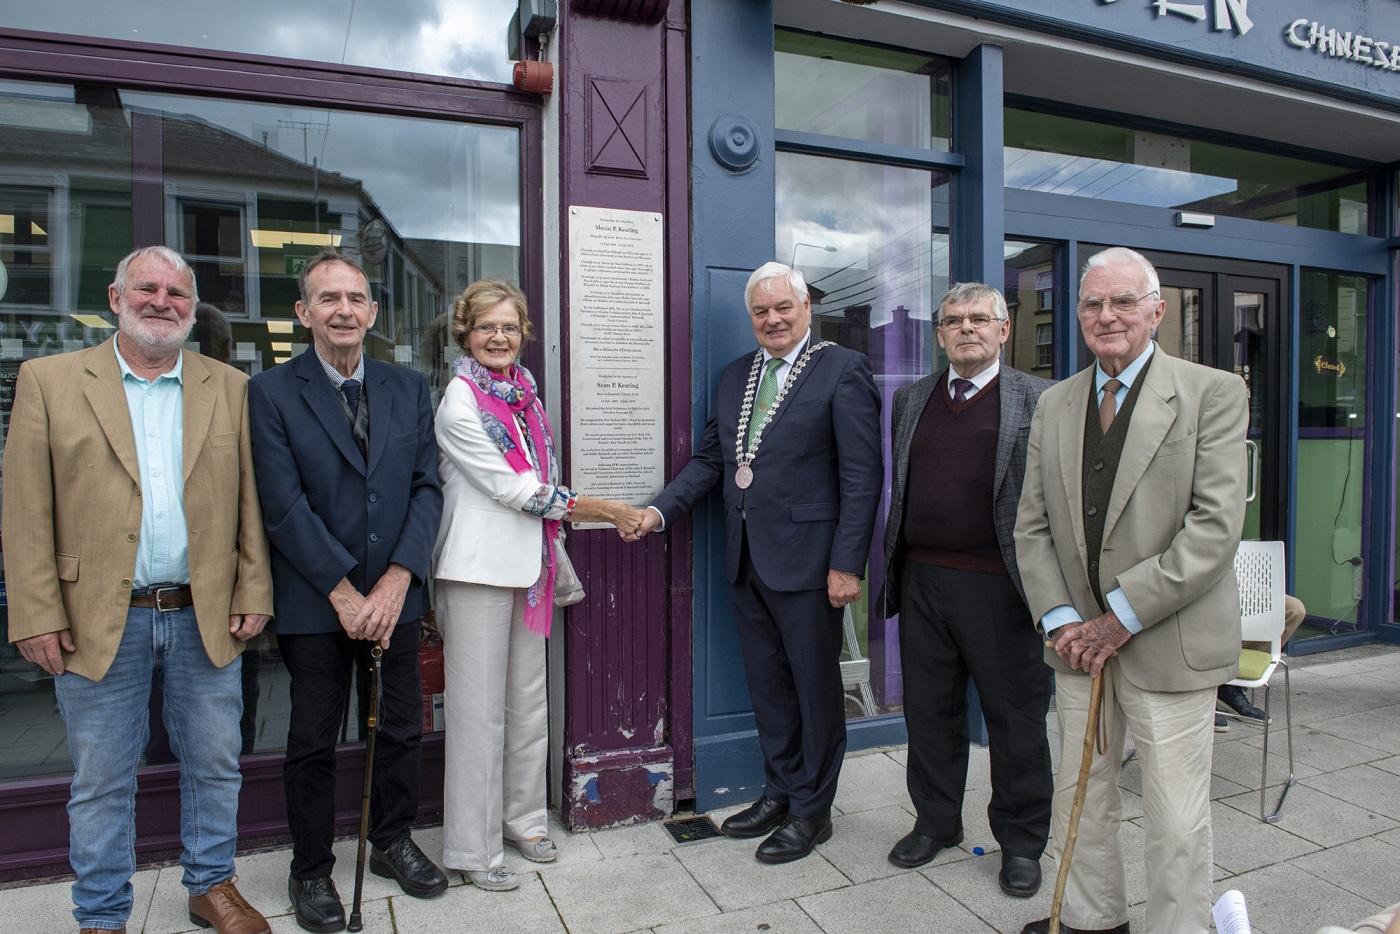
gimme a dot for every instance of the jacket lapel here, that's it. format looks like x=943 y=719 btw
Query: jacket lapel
x=1013 y=394
x=107 y=397
x=1071 y=437
x=321 y=397
x=919 y=395
x=380 y=406
x=1152 y=418
x=198 y=406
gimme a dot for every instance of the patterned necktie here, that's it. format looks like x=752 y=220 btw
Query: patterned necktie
x=763 y=402
x=1108 y=405
x=961 y=387
x=350 y=389
x=359 y=421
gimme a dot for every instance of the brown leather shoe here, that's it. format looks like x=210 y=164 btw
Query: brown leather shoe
x=226 y=911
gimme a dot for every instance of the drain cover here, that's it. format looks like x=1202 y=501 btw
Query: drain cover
x=691 y=829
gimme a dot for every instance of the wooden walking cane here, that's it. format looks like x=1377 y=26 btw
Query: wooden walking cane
x=376 y=655
x=1091 y=729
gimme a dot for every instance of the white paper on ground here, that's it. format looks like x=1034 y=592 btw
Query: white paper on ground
x=1231 y=916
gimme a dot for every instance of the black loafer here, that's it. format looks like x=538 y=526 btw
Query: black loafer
x=403 y=862
x=759 y=818
x=1043 y=927
x=1019 y=876
x=317 y=905
x=794 y=840
x=914 y=849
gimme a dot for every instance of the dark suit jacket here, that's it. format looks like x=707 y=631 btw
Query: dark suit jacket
x=817 y=475
x=1019 y=393
x=330 y=515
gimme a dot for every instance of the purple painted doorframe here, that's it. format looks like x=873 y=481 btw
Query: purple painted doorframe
x=627 y=719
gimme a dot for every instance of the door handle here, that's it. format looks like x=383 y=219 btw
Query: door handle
x=1252 y=447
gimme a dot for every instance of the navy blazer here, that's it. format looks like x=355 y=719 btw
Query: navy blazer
x=330 y=515
x=817 y=474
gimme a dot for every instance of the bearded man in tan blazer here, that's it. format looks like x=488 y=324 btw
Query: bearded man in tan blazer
x=1126 y=533
x=135 y=544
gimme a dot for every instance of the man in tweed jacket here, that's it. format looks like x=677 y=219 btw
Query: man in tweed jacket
x=950 y=572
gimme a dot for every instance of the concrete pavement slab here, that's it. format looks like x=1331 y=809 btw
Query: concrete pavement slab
x=613 y=896
x=376 y=915
x=860 y=846
x=1365 y=867
x=1243 y=842
x=972 y=883
x=1283 y=899
x=526 y=910
x=729 y=874
x=869 y=782
x=906 y=902
x=1317 y=748
x=634 y=840
x=1242 y=762
x=1365 y=728
x=1362 y=785
x=49 y=906
x=783 y=917
x=1315 y=816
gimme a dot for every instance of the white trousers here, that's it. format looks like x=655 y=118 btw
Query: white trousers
x=1174 y=736
x=497 y=723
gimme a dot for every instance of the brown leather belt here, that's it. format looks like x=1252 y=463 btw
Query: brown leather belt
x=164 y=597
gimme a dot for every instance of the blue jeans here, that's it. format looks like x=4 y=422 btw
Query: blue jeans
x=108 y=727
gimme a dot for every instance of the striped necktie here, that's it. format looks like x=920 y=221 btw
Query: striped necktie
x=763 y=402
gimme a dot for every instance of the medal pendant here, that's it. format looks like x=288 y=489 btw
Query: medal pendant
x=743 y=477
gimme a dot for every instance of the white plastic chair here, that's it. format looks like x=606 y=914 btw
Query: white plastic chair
x=855 y=672
x=1259 y=570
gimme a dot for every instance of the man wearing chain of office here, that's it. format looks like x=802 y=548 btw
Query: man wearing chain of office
x=793 y=440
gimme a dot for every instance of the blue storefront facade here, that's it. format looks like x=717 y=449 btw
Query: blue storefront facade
x=889 y=150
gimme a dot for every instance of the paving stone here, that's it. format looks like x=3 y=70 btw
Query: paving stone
x=900 y=756
x=1241 y=763
x=1317 y=748
x=1315 y=816
x=526 y=910
x=774 y=918
x=1326 y=705
x=1362 y=785
x=869 y=782
x=1283 y=899
x=861 y=843
x=634 y=840
x=617 y=895
x=1243 y=842
x=729 y=874
x=973 y=884
x=1364 y=867
x=375 y=914
x=49 y=907
x=1391 y=837
x=906 y=902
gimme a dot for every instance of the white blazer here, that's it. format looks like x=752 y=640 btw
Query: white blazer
x=485 y=537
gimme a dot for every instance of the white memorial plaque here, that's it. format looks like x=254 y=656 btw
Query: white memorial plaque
x=617 y=355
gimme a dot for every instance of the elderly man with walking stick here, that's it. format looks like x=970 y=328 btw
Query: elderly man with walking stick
x=1125 y=538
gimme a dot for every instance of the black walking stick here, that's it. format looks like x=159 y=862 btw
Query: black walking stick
x=376 y=655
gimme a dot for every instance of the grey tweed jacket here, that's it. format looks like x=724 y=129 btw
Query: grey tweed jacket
x=1019 y=394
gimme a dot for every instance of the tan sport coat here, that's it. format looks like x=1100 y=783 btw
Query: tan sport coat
x=72 y=505
x=1173 y=524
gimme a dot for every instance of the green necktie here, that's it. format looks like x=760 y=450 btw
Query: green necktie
x=763 y=402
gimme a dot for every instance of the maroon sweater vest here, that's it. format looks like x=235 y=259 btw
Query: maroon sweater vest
x=952 y=467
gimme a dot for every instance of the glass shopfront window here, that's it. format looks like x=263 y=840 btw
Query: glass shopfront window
x=1088 y=159
x=872 y=242
x=1030 y=287
x=862 y=92
x=1328 y=554
x=459 y=38
x=247 y=192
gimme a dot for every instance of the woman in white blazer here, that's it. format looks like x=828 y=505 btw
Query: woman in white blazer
x=504 y=504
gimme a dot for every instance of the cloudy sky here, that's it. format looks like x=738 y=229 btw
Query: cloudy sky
x=462 y=38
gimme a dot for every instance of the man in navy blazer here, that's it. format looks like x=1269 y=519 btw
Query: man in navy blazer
x=793 y=440
x=346 y=465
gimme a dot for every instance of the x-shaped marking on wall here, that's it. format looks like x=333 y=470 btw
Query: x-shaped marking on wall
x=618 y=121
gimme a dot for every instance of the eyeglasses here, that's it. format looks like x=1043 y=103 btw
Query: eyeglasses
x=1121 y=304
x=979 y=322
x=491 y=330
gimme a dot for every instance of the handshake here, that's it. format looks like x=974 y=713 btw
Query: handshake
x=634 y=523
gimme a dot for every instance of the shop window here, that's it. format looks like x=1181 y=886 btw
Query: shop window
x=460 y=38
x=1327 y=553
x=1114 y=162
x=862 y=92
x=1029 y=286
x=1044 y=346
x=872 y=242
x=247 y=201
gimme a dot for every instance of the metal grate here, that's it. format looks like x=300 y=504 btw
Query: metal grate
x=691 y=829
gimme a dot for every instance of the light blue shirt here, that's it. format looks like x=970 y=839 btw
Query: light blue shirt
x=1117 y=601
x=157 y=410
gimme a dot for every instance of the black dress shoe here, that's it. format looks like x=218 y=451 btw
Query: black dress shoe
x=1043 y=927
x=914 y=849
x=755 y=820
x=317 y=905
x=1019 y=876
x=403 y=862
x=794 y=840
x=1233 y=698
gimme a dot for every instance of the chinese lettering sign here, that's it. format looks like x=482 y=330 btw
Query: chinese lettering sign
x=1226 y=15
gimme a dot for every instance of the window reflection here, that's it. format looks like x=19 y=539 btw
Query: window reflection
x=872 y=243
x=1030 y=289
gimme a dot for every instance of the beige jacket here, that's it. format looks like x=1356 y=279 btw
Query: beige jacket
x=1174 y=521
x=72 y=505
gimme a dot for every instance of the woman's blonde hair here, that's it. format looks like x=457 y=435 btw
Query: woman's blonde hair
x=480 y=297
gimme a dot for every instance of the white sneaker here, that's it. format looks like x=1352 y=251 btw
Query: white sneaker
x=497 y=879
x=542 y=850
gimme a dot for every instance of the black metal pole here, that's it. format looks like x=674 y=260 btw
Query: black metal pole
x=376 y=655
